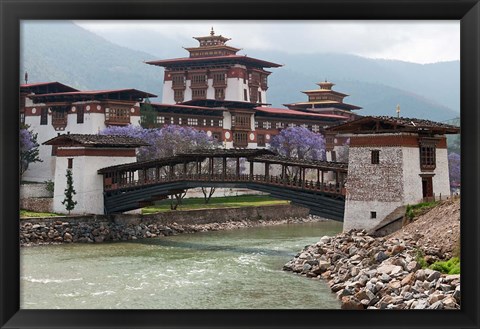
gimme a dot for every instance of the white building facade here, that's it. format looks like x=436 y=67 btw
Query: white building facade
x=393 y=162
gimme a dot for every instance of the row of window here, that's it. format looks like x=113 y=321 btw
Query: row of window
x=282 y=125
x=190 y=121
x=179 y=95
x=58 y=117
x=427 y=157
x=322 y=98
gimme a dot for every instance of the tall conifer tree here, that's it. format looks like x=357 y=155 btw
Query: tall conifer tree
x=69 y=192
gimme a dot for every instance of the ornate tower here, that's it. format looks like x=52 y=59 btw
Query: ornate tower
x=214 y=70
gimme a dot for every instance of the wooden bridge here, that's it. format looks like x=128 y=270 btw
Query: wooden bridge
x=317 y=185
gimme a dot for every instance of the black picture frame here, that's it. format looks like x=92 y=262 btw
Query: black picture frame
x=12 y=11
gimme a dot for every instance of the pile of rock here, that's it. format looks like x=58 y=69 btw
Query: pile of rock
x=376 y=273
x=94 y=231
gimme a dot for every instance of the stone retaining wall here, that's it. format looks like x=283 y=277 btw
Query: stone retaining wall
x=99 y=228
x=37 y=204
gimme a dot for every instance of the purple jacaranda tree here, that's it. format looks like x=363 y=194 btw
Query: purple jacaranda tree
x=166 y=142
x=29 y=152
x=454 y=169
x=300 y=143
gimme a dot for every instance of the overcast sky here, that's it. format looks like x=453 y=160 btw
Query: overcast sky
x=411 y=41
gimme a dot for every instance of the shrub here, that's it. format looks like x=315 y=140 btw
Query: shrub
x=419 y=209
x=49 y=185
x=451 y=266
x=420 y=258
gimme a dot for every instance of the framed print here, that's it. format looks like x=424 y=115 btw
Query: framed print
x=339 y=119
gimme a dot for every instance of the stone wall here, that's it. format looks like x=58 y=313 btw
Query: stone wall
x=100 y=228
x=37 y=204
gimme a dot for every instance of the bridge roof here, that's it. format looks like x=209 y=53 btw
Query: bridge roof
x=187 y=157
x=318 y=164
x=96 y=141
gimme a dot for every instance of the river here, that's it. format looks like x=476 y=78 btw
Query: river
x=237 y=269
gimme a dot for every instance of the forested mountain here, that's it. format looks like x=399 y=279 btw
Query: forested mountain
x=64 y=52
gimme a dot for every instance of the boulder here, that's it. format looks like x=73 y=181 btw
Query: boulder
x=351 y=303
x=389 y=269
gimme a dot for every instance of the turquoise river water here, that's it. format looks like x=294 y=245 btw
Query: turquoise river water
x=237 y=269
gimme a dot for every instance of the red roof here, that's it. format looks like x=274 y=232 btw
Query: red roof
x=281 y=111
x=186 y=107
x=37 y=86
x=98 y=92
x=230 y=58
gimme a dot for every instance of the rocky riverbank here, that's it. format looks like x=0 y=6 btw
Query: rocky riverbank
x=377 y=273
x=98 y=231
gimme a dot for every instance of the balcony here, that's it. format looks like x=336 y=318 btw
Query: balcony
x=120 y=117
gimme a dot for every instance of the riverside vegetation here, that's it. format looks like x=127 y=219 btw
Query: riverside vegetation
x=401 y=271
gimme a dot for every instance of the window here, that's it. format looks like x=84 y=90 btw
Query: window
x=375 y=157
x=261 y=140
x=427 y=157
x=253 y=95
x=199 y=93
x=245 y=95
x=279 y=125
x=199 y=80
x=160 y=119
x=256 y=124
x=192 y=122
x=219 y=79
x=241 y=121
x=373 y=214
x=220 y=93
x=205 y=122
x=334 y=156
x=304 y=125
x=22 y=117
x=267 y=125
x=44 y=116
x=259 y=96
x=291 y=125
x=179 y=121
x=178 y=96
x=211 y=122
x=70 y=163
x=178 y=81
x=172 y=120
x=117 y=115
x=315 y=128
x=80 y=114
x=59 y=117
x=220 y=123
x=240 y=139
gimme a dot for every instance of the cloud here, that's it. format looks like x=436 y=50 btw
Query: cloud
x=415 y=41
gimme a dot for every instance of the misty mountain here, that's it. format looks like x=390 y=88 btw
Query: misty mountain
x=65 y=52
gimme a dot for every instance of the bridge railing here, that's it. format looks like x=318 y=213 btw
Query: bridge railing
x=310 y=185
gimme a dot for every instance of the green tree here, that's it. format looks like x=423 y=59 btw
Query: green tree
x=148 y=115
x=69 y=192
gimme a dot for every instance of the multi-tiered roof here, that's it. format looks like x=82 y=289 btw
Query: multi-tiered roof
x=212 y=50
x=323 y=99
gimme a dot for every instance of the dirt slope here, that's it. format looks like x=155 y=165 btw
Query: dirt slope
x=437 y=231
